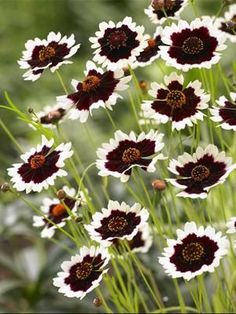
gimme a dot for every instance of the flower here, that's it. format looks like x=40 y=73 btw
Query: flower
x=118 y=221
x=194 y=45
x=41 y=166
x=159 y=11
x=227 y=24
x=47 y=53
x=231 y=225
x=118 y=45
x=182 y=105
x=151 y=52
x=118 y=157
x=200 y=172
x=83 y=272
x=98 y=89
x=58 y=211
x=225 y=113
x=196 y=250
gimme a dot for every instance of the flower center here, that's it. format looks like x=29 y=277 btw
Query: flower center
x=46 y=53
x=176 y=99
x=192 y=45
x=117 y=224
x=58 y=210
x=152 y=43
x=199 y=173
x=163 y=4
x=91 y=82
x=130 y=155
x=192 y=252
x=117 y=39
x=84 y=270
x=37 y=161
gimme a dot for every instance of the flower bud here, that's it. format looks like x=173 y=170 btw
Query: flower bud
x=159 y=185
x=61 y=194
x=5 y=187
x=97 y=301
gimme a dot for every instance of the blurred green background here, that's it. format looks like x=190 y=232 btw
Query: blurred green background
x=27 y=263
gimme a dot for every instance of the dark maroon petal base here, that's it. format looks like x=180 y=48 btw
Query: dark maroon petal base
x=228 y=113
x=150 y=51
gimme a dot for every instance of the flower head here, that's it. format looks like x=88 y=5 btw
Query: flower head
x=47 y=53
x=195 y=251
x=225 y=113
x=118 y=157
x=118 y=221
x=40 y=167
x=201 y=171
x=195 y=45
x=231 y=225
x=117 y=45
x=182 y=105
x=83 y=272
x=227 y=24
x=159 y=11
x=98 y=89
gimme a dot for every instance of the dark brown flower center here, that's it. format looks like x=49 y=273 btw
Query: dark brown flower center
x=130 y=155
x=117 y=39
x=200 y=173
x=37 y=161
x=151 y=43
x=192 y=45
x=46 y=53
x=176 y=99
x=117 y=224
x=163 y=4
x=84 y=270
x=58 y=210
x=91 y=82
x=192 y=252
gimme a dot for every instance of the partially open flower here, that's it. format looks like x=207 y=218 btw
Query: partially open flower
x=98 y=89
x=118 y=221
x=41 y=166
x=225 y=113
x=196 y=250
x=176 y=103
x=227 y=24
x=47 y=53
x=83 y=272
x=118 y=157
x=118 y=45
x=200 y=172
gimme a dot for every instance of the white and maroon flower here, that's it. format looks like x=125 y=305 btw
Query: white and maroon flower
x=124 y=152
x=83 y=272
x=56 y=212
x=226 y=112
x=47 y=53
x=40 y=167
x=151 y=52
x=196 y=250
x=198 y=173
x=118 y=221
x=174 y=102
x=195 y=45
x=159 y=11
x=98 y=89
x=231 y=225
x=227 y=24
x=118 y=45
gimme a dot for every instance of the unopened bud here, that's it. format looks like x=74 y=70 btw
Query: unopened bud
x=78 y=219
x=159 y=185
x=143 y=85
x=5 y=187
x=30 y=110
x=97 y=301
x=61 y=194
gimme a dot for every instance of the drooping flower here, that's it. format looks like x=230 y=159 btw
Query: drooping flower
x=83 y=272
x=159 y=11
x=58 y=211
x=196 y=250
x=195 y=45
x=118 y=45
x=226 y=112
x=47 y=53
x=118 y=157
x=227 y=24
x=200 y=172
x=231 y=225
x=98 y=89
x=40 y=167
x=118 y=221
x=181 y=105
